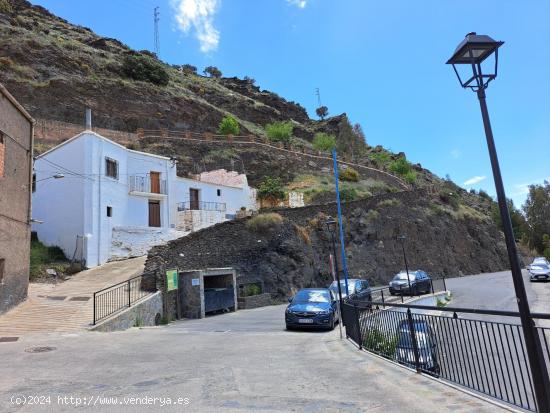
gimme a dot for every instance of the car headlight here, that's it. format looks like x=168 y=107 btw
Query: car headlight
x=288 y=311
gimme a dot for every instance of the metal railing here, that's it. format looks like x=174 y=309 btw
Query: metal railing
x=478 y=353
x=384 y=295
x=202 y=206
x=117 y=297
x=145 y=184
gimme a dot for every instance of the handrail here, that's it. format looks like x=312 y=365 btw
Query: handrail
x=118 y=284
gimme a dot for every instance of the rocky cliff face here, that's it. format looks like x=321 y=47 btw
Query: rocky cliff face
x=294 y=254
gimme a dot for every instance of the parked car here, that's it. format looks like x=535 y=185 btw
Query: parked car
x=539 y=272
x=358 y=289
x=420 y=282
x=425 y=341
x=312 y=307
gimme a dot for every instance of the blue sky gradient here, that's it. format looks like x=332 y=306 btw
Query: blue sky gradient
x=381 y=62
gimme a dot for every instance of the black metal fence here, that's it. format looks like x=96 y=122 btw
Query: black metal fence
x=478 y=353
x=403 y=292
x=122 y=295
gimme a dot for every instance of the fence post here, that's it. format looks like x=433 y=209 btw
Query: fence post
x=432 y=285
x=401 y=293
x=444 y=285
x=94 y=311
x=129 y=299
x=413 y=338
x=358 y=326
x=383 y=305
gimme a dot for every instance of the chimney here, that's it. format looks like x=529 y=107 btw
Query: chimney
x=88 y=119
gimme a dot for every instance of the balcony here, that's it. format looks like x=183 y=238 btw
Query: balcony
x=150 y=186
x=202 y=206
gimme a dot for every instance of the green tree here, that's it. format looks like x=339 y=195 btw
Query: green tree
x=188 y=69
x=145 y=68
x=537 y=213
x=400 y=166
x=279 y=131
x=228 y=126
x=324 y=142
x=213 y=71
x=322 y=112
x=519 y=224
x=271 y=189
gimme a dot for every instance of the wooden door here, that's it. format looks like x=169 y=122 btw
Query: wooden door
x=154 y=213
x=155 y=182
x=193 y=198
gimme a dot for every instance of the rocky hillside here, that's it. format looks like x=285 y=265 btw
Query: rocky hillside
x=292 y=253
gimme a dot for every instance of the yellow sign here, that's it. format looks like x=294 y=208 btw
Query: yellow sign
x=171 y=280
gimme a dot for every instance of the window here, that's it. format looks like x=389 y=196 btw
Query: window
x=34 y=182
x=109 y=211
x=111 y=168
x=2 y=151
x=219 y=192
x=2 y=261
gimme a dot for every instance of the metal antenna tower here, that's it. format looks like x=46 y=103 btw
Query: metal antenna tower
x=156 y=14
x=318 y=96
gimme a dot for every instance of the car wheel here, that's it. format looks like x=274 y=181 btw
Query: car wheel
x=332 y=323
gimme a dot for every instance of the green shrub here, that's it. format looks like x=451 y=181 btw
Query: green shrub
x=401 y=166
x=5 y=6
x=145 y=68
x=380 y=343
x=372 y=215
x=228 y=126
x=279 y=131
x=324 y=142
x=450 y=198
x=546 y=253
x=271 y=189
x=264 y=222
x=251 y=289
x=349 y=175
x=380 y=159
x=348 y=194
x=410 y=177
x=213 y=71
x=42 y=257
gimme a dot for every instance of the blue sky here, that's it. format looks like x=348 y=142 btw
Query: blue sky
x=381 y=62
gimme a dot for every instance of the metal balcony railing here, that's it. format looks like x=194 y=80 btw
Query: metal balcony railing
x=146 y=184
x=202 y=206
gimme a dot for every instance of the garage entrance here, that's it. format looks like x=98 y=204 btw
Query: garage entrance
x=205 y=292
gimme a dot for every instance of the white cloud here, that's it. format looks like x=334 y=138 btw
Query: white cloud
x=298 y=3
x=198 y=16
x=455 y=153
x=474 y=180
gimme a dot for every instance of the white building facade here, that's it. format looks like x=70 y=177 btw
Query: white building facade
x=114 y=202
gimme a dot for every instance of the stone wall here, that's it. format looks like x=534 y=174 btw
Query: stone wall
x=128 y=242
x=55 y=131
x=254 y=301
x=193 y=220
x=140 y=315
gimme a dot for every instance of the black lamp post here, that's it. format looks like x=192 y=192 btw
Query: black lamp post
x=473 y=51
x=402 y=239
x=331 y=226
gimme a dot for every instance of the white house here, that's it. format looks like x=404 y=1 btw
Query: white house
x=113 y=202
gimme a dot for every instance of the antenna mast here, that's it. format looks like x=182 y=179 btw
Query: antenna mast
x=156 y=14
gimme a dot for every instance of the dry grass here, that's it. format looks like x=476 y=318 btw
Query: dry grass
x=264 y=222
x=303 y=233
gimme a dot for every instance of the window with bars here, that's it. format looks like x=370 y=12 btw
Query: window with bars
x=111 y=168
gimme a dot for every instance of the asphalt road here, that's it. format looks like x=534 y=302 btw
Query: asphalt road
x=238 y=362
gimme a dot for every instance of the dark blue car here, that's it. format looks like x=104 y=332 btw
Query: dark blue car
x=312 y=308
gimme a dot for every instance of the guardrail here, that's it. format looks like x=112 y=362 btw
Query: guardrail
x=202 y=206
x=483 y=355
x=117 y=297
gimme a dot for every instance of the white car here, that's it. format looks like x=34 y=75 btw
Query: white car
x=539 y=272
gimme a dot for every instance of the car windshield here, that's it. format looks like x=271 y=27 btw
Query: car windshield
x=403 y=276
x=540 y=266
x=312 y=296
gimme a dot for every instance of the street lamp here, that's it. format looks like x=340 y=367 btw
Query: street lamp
x=402 y=238
x=56 y=176
x=473 y=51
x=331 y=226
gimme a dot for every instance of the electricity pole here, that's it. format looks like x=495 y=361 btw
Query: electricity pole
x=156 y=18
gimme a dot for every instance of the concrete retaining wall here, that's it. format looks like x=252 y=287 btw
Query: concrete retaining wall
x=254 y=301
x=141 y=314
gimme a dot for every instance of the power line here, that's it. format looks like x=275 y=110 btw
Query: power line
x=156 y=18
